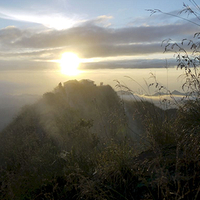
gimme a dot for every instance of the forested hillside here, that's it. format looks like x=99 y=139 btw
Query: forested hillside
x=81 y=141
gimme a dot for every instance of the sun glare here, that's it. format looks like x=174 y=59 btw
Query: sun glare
x=69 y=63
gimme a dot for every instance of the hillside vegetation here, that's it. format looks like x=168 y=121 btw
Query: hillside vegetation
x=82 y=142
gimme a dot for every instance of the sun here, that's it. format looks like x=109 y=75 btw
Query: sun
x=69 y=63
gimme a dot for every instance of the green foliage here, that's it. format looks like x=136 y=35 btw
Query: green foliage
x=56 y=139
x=157 y=124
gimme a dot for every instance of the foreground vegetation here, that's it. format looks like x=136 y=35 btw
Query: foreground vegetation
x=75 y=143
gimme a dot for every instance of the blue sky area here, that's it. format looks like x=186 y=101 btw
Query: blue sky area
x=122 y=12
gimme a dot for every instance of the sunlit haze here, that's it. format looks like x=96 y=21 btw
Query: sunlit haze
x=45 y=42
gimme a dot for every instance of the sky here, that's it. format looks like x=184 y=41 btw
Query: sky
x=113 y=38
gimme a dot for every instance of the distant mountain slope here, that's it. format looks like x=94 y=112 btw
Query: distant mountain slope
x=175 y=92
x=77 y=138
x=10 y=105
x=76 y=106
x=77 y=118
x=77 y=100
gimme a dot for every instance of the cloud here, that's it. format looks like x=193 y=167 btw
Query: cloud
x=48 y=18
x=102 y=20
x=27 y=65
x=130 y=64
x=88 y=36
x=141 y=63
x=111 y=50
x=90 y=39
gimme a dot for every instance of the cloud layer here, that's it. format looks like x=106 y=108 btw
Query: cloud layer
x=91 y=39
